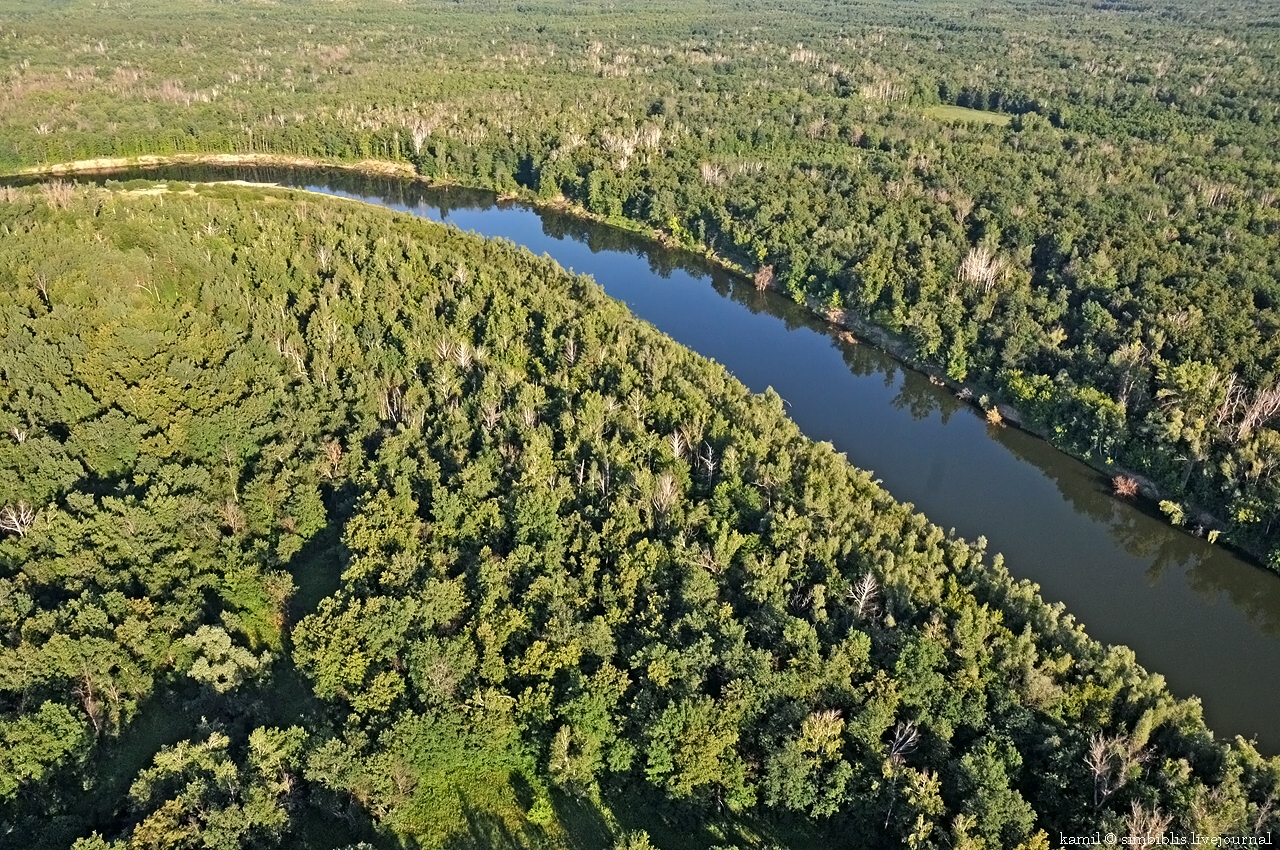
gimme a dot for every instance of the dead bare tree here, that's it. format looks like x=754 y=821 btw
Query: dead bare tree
x=708 y=561
x=664 y=494
x=980 y=267
x=17 y=518
x=42 y=286
x=57 y=193
x=1264 y=407
x=802 y=599
x=89 y=699
x=707 y=460
x=392 y=403
x=677 y=444
x=865 y=597
x=603 y=478
x=763 y=278
x=1145 y=826
x=332 y=459
x=1232 y=398
x=234 y=517
x=1111 y=758
x=906 y=737
x=1264 y=812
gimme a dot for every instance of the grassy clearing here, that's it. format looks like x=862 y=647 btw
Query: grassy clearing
x=960 y=113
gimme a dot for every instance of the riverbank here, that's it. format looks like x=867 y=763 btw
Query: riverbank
x=855 y=327
x=375 y=167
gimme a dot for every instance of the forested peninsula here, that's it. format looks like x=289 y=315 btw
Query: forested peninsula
x=1070 y=206
x=418 y=535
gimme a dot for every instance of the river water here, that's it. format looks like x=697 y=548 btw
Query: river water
x=1205 y=619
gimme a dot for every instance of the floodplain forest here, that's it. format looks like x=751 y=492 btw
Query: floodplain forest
x=323 y=526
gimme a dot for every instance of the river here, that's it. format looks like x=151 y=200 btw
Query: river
x=1205 y=619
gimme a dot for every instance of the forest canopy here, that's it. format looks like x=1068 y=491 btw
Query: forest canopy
x=325 y=527
x=569 y=582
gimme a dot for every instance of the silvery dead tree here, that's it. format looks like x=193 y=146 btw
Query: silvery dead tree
x=664 y=494
x=463 y=356
x=57 y=193
x=865 y=597
x=1110 y=759
x=677 y=444
x=332 y=459
x=41 y=281
x=707 y=461
x=1264 y=407
x=17 y=518
x=1145 y=826
x=981 y=268
x=906 y=737
x=1264 y=812
x=802 y=599
x=392 y=403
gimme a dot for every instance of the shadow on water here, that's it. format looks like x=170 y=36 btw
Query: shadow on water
x=1208 y=621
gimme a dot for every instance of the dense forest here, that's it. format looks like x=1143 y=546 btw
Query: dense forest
x=416 y=537
x=1070 y=206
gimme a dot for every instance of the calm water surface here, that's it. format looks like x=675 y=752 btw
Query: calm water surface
x=1208 y=621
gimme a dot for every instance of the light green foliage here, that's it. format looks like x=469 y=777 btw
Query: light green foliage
x=218 y=663
x=37 y=742
x=203 y=794
x=173 y=481
x=1175 y=512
